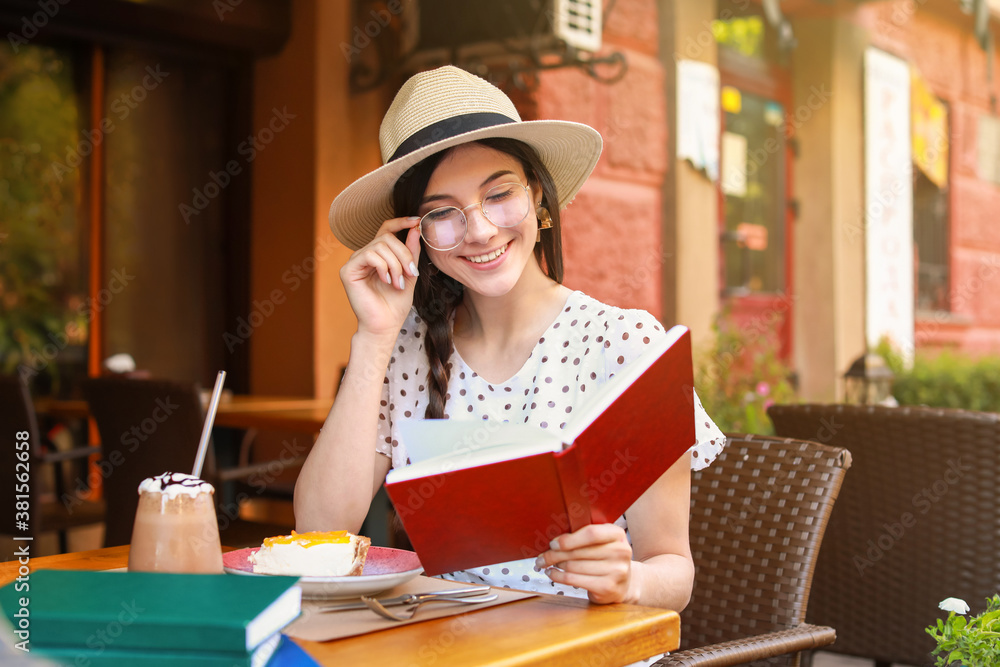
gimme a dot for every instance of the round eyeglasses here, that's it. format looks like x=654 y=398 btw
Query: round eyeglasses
x=505 y=205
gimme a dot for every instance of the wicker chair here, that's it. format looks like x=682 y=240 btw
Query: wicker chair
x=44 y=513
x=757 y=521
x=149 y=427
x=917 y=521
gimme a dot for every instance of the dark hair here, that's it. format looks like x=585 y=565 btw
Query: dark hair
x=437 y=295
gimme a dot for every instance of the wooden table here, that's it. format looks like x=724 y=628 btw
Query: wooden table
x=274 y=413
x=548 y=630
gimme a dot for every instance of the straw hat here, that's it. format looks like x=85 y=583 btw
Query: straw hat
x=442 y=108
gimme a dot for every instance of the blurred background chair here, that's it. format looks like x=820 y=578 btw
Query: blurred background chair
x=149 y=427
x=918 y=521
x=49 y=509
x=758 y=514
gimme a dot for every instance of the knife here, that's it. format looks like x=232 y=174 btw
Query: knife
x=411 y=598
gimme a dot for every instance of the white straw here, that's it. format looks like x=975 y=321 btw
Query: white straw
x=206 y=432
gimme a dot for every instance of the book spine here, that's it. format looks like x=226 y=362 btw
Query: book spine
x=574 y=488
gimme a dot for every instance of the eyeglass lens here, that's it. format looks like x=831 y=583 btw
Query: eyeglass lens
x=504 y=205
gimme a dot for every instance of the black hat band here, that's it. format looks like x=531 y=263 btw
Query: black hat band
x=448 y=128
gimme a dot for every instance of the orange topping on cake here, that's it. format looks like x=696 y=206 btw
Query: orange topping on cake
x=310 y=539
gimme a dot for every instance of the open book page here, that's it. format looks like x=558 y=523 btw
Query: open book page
x=441 y=445
x=599 y=401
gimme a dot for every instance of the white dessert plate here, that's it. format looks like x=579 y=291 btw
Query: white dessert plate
x=384 y=568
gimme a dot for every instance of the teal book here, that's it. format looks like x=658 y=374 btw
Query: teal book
x=73 y=656
x=222 y=613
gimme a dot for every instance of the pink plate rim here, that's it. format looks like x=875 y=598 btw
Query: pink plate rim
x=380 y=561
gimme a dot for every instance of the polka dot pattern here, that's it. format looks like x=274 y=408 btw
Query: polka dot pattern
x=568 y=362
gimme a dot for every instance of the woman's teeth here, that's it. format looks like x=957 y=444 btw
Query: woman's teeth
x=479 y=259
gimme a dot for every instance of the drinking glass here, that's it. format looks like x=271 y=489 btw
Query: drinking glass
x=175 y=528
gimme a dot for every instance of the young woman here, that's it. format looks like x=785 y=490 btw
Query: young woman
x=456 y=284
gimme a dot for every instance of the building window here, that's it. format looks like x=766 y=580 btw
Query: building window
x=930 y=132
x=753 y=186
x=930 y=236
x=163 y=125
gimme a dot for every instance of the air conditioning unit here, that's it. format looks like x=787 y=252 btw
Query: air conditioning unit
x=463 y=30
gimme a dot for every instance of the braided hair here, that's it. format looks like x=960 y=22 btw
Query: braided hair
x=436 y=295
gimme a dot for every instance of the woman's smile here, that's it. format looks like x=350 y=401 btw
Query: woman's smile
x=487 y=258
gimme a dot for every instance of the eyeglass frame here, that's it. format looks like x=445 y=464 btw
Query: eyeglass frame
x=462 y=210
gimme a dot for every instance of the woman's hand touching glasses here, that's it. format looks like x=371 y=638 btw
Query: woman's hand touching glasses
x=379 y=278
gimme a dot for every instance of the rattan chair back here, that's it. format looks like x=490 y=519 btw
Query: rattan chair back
x=757 y=521
x=918 y=520
x=30 y=512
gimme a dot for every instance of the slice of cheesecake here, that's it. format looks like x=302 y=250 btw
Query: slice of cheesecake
x=315 y=554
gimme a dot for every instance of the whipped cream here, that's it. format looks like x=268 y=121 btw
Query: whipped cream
x=173 y=484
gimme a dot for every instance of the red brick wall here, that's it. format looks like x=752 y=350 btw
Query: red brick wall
x=612 y=230
x=939 y=43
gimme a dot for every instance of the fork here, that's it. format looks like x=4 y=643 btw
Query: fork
x=377 y=607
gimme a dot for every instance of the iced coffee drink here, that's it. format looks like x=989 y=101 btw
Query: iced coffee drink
x=175 y=526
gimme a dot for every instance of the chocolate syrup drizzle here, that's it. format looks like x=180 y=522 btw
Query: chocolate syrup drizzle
x=177 y=479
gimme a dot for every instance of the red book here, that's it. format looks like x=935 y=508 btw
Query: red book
x=484 y=492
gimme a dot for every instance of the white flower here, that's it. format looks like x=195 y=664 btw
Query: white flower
x=955 y=605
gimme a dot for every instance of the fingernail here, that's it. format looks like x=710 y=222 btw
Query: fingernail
x=402 y=283
x=388 y=279
x=413 y=218
x=554 y=544
x=413 y=270
x=540 y=562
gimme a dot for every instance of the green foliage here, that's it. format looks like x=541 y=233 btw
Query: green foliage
x=946 y=380
x=40 y=269
x=740 y=375
x=744 y=34
x=973 y=642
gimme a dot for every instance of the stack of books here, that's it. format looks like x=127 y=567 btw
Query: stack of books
x=114 y=619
